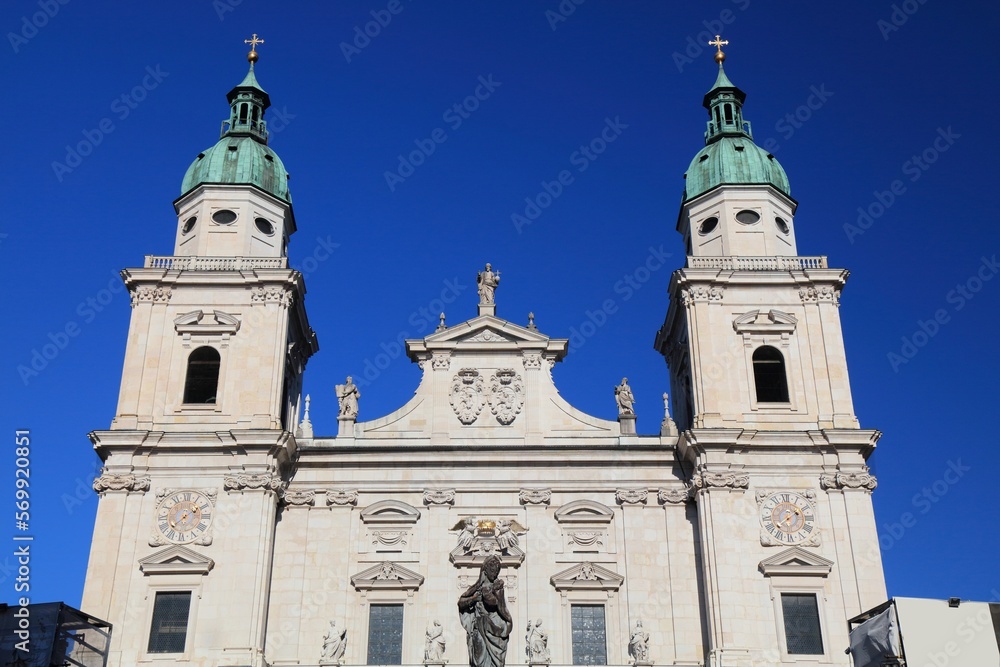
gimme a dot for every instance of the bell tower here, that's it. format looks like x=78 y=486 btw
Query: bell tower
x=752 y=337
x=776 y=458
x=202 y=438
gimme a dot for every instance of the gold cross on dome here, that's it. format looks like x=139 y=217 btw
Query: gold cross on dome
x=718 y=43
x=255 y=41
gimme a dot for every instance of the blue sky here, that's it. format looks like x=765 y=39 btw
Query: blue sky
x=874 y=107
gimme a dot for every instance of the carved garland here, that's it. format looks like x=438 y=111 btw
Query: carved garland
x=821 y=293
x=283 y=296
x=108 y=482
x=342 y=497
x=701 y=293
x=535 y=496
x=253 y=482
x=677 y=495
x=153 y=294
x=298 y=498
x=721 y=480
x=850 y=481
x=631 y=496
x=439 y=496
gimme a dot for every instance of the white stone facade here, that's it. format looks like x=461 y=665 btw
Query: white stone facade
x=274 y=535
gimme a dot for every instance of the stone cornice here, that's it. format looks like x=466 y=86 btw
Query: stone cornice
x=278 y=445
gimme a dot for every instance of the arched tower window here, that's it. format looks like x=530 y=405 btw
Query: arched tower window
x=202 y=382
x=769 y=375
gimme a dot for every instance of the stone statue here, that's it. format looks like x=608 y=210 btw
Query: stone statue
x=347 y=396
x=536 y=644
x=638 y=645
x=506 y=538
x=434 y=644
x=483 y=611
x=624 y=398
x=334 y=645
x=468 y=534
x=487 y=281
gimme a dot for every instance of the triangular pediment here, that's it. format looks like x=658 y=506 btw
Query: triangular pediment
x=796 y=561
x=176 y=560
x=587 y=576
x=486 y=333
x=387 y=576
x=775 y=322
x=485 y=326
x=390 y=512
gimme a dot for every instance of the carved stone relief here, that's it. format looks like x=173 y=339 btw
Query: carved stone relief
x=467 y=399
x=506 y=395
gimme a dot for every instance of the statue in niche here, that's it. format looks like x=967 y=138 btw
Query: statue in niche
x=488 y=281
x=506 y=538
x=536 y=644
x=434 y=644
x=347 y=396
x=624 y=398
x=483 y=611
x=638 y=645
x=334 y=645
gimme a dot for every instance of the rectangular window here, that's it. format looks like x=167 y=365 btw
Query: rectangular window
x=385 y=634
x=802 y=631
x=168 y=632
x=589 y=636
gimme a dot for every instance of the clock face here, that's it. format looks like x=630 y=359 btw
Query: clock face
x=788 y=517
x=184 y=516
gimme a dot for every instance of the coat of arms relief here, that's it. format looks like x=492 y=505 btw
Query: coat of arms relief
x=468 y=395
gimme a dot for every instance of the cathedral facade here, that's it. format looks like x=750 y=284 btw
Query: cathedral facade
x=741 y=534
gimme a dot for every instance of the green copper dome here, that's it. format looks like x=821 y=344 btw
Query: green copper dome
x=730 y=157
x=239 y=160
x=733 y=160
x=242 y=156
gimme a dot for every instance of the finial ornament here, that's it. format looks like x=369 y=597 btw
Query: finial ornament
x=718 y=43
x=253 y=42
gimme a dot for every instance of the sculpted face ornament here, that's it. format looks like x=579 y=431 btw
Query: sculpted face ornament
x=506 y=395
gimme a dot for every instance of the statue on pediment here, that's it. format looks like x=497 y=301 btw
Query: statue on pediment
x=487 y=280
x=348 y=395
x=624 y=398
